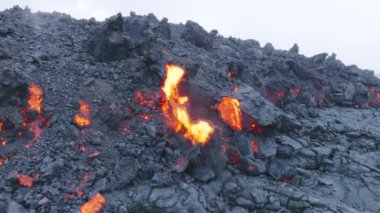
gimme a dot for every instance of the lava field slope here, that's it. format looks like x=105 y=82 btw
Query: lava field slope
x=312 y=144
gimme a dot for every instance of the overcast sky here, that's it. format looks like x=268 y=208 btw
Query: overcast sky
x=349 y=28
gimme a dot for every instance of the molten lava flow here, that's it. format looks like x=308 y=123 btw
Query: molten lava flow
x=82 y=120
x=230 y=113
x=94 y=205
x=35 y=98
x=25 y=180
x=175 y=111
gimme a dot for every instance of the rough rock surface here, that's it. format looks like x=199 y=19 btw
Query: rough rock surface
x=313 y=147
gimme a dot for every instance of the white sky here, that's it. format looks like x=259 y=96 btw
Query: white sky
x=349 y=28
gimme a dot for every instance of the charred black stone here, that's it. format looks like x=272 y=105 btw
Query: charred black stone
x=279 y=170
x=196 y=35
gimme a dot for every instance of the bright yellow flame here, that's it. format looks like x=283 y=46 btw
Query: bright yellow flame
x=174 y=75
x=176 y=113
x=183 y=100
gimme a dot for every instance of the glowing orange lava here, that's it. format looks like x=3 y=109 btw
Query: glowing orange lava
x=84 y=108
x=94 y=205
x=145 y=99
x=175 y=111
x=3 y=141
x=82 y=120
x=25 y=180
x=35 y=102
x=35 y=98
x=230 y=113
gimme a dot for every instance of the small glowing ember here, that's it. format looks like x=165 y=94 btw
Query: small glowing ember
x=255 y=146
x=295 y=91
x=94 y=205
x=79 y=192
x=146 y=117
x=253 y=126
x=229 y=74
x=235 y=89
x=3 y=141
x=251 y=168
x=182 y=162
x=82 y=120
x=230 y=113
x=25 y=180
x=287 y=181
x=176 y=114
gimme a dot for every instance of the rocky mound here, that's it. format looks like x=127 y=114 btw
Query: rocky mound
x=85 y=123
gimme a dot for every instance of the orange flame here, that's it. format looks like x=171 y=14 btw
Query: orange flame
x=35 y=98
x=25 y=180
x=175 y=112
x=94 y=205
x=230 y=113
x=82 y=120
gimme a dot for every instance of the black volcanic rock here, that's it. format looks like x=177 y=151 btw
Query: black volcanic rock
x=196 y=35
x=309 y=142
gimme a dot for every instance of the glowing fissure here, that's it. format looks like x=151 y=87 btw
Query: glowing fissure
x=175 y=112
